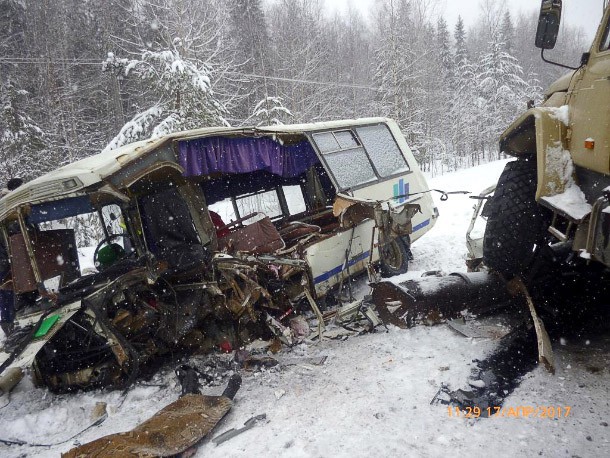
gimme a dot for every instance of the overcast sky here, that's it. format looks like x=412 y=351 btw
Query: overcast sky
x=585 y=13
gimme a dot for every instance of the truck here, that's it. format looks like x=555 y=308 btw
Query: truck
x=553 y=202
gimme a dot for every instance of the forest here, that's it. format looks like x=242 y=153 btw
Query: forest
x=78 y=77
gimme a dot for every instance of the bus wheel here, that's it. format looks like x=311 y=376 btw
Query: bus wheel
x=394 y=257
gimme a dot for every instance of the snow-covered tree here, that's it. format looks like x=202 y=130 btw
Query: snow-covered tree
x=502 y=87
x=183 y=88
x=270 y=111
x=508 y=32
x=443 y=45
x=396 y=72
x=251 y=44
x=321 y=66
x=12 y=27
x=461 y=54
x=465 y=111
x=20 y=138
x=443 y=86
x=409 y=75
x=302 y=54
x=169 y=66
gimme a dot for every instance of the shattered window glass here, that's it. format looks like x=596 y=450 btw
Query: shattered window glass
x=113 y=220
x=351 y=168
x=382 y=149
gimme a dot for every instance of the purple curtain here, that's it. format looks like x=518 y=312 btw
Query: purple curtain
x=242 y=155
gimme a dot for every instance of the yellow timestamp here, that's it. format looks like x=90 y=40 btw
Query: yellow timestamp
x=510 y=412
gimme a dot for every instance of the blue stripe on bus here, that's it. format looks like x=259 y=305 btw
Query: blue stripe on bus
x=337 y=270
x=421 y=225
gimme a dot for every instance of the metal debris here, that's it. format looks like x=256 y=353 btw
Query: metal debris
x=231 y=433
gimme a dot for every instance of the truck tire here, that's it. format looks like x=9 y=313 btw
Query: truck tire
x=394 y=257
x=516 y=224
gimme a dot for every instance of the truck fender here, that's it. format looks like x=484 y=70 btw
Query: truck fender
x=542 y=130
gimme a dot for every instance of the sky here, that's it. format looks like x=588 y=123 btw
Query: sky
x=585 y=13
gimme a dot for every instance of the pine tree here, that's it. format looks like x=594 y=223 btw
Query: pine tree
x=443 y=45
x=464 y=113
x=21 y=140
x=176 y=46
x=183 y=89
x=508 y=32
x=251 y=43
x=270 y=111
x=302 y=53
x=395 y=73
x=444 y=87
x=461 y=50
x=503 y=89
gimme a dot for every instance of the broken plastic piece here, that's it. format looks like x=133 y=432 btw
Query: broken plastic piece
x=46 y=325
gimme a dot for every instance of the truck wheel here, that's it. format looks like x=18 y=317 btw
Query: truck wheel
x=516 y=224
x=394 y=257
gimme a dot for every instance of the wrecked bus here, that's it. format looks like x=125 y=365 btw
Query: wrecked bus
x=199 y=239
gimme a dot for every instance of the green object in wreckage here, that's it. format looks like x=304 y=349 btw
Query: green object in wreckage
x=46 y=325
x=110 y=254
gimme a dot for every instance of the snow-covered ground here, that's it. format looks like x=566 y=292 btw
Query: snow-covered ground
x=373 y=393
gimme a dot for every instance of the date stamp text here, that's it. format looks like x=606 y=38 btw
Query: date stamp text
x=510 y=412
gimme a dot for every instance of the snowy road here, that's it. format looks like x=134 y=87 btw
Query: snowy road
x=372 y=395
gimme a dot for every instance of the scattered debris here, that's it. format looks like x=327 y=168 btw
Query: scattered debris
x=99 y=411
x=492 y=327
x=172 y=430
x=254 y=362
x=496 y=376
x=231 y=433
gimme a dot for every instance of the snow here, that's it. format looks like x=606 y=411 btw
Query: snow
x=571 y=200
x=561 y=114
x=373 y=393
x=477 y=383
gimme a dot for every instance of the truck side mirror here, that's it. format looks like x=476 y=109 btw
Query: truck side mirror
x=548 y=24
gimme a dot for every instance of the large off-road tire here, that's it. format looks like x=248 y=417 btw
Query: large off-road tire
x=394 y=257
x=516 y=224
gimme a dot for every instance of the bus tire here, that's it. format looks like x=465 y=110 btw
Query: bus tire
x=394 y=257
